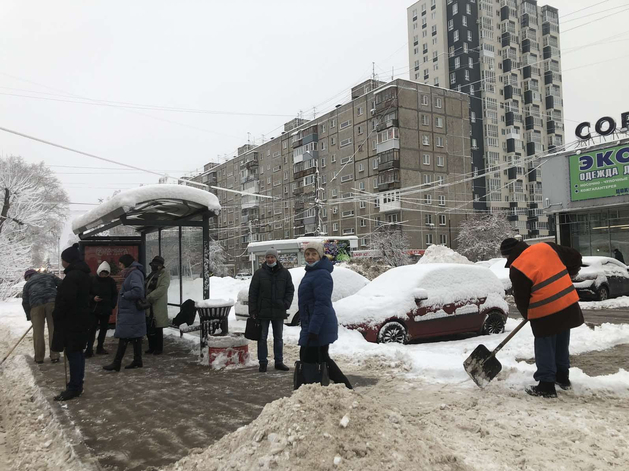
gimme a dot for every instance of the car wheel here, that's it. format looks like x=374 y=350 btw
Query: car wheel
x=603 y=293
x=296 y=320
x=494 y=324
x=392 y=332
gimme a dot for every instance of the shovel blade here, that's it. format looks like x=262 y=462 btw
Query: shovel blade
x=482 y=366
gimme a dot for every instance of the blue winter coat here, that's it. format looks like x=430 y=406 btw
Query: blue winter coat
x=315 y=305
x=131 y=322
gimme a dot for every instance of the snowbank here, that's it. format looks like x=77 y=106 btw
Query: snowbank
x=129 y=199
x=321 y=428
x=614 y=303
x=442 y=254
x=392 y=293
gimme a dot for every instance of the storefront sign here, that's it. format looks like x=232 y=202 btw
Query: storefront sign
x=599 y=174
x=604 y=126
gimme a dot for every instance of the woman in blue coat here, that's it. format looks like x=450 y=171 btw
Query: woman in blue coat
x=130 y=321
x=319 y=326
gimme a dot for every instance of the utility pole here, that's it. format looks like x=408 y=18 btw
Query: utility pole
x=317 y=207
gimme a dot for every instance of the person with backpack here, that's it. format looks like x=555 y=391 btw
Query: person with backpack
x=131 y=319
x=103 y=300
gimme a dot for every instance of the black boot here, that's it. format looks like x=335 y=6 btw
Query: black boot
x=67 y=395
x=281 y=367
x=563 y=381
x=115 y=366
x=89 y=353
x=543 y=389
x=137 y=355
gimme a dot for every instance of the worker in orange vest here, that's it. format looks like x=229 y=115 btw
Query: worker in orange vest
x=541 y=276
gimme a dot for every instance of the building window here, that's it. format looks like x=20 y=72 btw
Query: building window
x=345 y=124
x=346 y=178
x=333 y=123
x=455 y=9
x=335 y=227
x=452 y=78
x=469 y=35
x=285 y=145
x=442 y=200
x=345 y=142
x=428 y=219
x=439 y=103
x=473 y=116
x=360 y=110
x=434 y=29
x=360 y=129
x=362 y=204
x=322 y=161
x=470 y=62
x=455 y=35
x=425 y=120
x=332 y=141
x=439 y=141
x=428 y=239
x=374 y=164
x=363 y=223
x=335 y=210
x=425 y=100
x=427 y=177
x=375 y=183
x=464 y=20
x=442 y=219
x=468 y=9
x=441 y=160
x=426 y=159
x=450 y=25
x=361 y=167
x=323 y=128
x=361 y=185
x=457 y=62
x=443 y=239
x=334 y=193
x=439 y=122
x=425 y=140
x=428 y=199
x=467 y=75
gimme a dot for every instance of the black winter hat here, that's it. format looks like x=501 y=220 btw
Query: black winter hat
x=507 y=246
x=71 y=254
x=126 y=260
x=157 y=260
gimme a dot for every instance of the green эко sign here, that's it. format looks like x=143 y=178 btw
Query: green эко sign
x=600 y=173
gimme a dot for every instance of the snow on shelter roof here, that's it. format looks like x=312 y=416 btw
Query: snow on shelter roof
x=165 y=201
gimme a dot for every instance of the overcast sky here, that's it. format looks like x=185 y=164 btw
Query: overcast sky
x=271 y=58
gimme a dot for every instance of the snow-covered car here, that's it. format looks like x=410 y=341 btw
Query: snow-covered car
x=422 y=301
x=488 y=263
x=346 y=283
x=497 y=265
x=601 y=278
x=243 y=276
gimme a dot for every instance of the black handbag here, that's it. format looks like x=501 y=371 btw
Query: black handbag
x=142 y=304
x=253 y=330
x=311 y=373
x=150 y=324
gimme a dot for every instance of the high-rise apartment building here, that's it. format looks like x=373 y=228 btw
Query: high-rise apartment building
x=505 y=55
x=392 y=158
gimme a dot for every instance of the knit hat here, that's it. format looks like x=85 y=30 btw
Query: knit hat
x=126 y=260
x=103 y=267
x=157 y=260
x=29 y=272
x=507 y=246
x=271 y=251
x=71 y=254
x=315 y=245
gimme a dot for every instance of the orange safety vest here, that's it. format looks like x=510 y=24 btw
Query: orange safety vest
x=552 y=289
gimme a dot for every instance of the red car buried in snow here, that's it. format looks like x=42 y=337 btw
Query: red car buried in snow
x=426 y=300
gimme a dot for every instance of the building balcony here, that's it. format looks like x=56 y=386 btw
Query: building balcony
x=391 y=164
x=391 y=123
x=298 y=191
x=251 y=164
x=252 y=203
x=310 y=138
x=388 y=145
x=390 y=206
x=297 y=143
x=304 y=173
x=389 y=185
x=387 y=105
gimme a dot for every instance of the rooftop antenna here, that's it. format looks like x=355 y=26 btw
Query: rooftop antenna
x=314 y=112
x=373 y=71
x=392 y=73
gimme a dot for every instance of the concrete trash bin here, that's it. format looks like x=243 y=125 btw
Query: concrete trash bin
x=213 y=317
x=228 y=350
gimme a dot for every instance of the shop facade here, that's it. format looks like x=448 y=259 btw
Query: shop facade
x=586 y=190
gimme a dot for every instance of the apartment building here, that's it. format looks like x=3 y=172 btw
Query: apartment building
x=506 y=56
x=392 y=158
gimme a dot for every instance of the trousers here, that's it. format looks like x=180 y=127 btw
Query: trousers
x=41 y=315
x=552 y=357
x=76 y=361
x=278 y=341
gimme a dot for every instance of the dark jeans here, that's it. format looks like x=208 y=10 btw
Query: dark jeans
x=552 y=357
x=101 y=322
x=278 y=342
x=77 y=370
x=156 y=340
x=320 y=355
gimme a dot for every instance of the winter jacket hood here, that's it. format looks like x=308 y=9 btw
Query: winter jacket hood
x=315 y=305
x=106 y=289
x=103 y=267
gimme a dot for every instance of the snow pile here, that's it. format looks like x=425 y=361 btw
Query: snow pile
x=214 y=302
x=320 y=428
x=393 y=293
x=129 y=199
x=34 y=436
x=615 y=303
x=442 y=254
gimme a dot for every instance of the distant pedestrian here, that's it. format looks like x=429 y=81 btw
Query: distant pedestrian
x=72 y=319
x=157 y=284
x=618 y=255
x=130 y=321
x=38 y=301
x=544 y=294
x=270 y=294
x=319 y=325
x=103 y=300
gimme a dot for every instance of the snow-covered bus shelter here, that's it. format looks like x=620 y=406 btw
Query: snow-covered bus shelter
x=156 y=218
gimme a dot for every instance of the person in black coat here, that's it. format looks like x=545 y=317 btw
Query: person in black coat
x=270 y=295
x=618 y=255
x=72 y=319
x=103 y=300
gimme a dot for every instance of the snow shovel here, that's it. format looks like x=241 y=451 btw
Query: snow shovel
x=15 y=346
x=482 y=365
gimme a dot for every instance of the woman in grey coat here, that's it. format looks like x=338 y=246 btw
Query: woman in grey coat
x=130 y=321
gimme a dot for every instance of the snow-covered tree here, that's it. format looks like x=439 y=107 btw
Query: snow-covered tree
x=391 y=245
x=33 y=208
x=480 y=236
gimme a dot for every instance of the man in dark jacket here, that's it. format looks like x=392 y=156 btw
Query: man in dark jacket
x=38 y=301
x=72 y=319
x=618 y=255
x=270 y=295
x=103 y=300
x=544 y=294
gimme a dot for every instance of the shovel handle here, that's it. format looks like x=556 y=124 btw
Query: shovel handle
x=509 y=337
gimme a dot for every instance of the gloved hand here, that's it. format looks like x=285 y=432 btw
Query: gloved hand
x=312 y=337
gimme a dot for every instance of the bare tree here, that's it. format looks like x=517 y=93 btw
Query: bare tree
x=33 y=209
x=391 y=245
x=480 y=236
